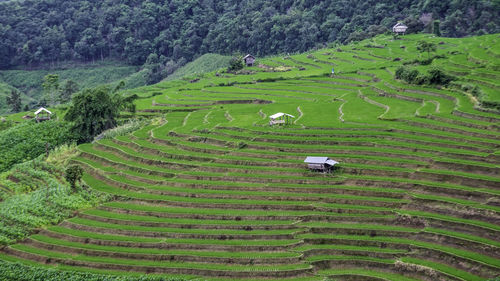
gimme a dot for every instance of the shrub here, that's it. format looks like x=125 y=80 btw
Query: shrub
x=236 y=63
x=412 y=76
x=434 y=77
x=73 y=175
x=242 y=145
x=400 y=72
x=437 y=77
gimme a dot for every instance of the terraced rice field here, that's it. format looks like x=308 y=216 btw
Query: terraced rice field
x=210 y=189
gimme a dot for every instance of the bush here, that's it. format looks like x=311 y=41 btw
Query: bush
x=73 y=175
x=236 y=63
x=437 y=77
x=434 y=77
x=242 y=145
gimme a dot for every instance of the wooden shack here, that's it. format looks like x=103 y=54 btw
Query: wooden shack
x=280 y=118
x=249 y=60
x=42 y=114
x=399 y=28
x=323 y=164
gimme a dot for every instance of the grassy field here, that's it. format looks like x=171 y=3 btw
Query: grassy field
x=198 y=67
x=209 y=189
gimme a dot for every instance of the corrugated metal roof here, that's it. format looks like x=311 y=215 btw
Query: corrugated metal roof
x=42 y=109
x=400 y=24
x=248 y=56
x=279 y=114
x=331 y=162
x=316 y=160
x=320 y=160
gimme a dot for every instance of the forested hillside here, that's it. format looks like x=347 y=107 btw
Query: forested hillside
x=34 y=32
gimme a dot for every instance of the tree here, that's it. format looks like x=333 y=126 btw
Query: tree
x=67 y=90
x=424 y=46
x=435 y=28
x=95 y=110
x=439 y=77
x=73 y=175
x=14 y=100
x=50 y=87
x=236 y=63
x=153 y=69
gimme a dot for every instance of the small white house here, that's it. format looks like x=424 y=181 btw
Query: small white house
x=249 y=60
x=280 y=118
x=42 y=114
x=399 y=28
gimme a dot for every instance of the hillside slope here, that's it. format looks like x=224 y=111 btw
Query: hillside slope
x=29 y=82
x=210 y=189
x=34 y=32
x=204 y=64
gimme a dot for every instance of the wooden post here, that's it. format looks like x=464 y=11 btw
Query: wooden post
x=46 y=150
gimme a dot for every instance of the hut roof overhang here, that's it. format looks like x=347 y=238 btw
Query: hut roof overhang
x=248 y=56
x=320 y=160
x=280 y=114
x=399 y=27
x=42 y=109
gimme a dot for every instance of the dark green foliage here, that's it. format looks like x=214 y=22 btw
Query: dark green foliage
x=96 y=110
x=5 y=124
x=67 y=90
x=20 y=272
x=28 y=140
x=73 y=175
x=14 y=100
x=424 y=46
x=35 y=32
x=435 y=76
x=50 y=87
x=153 y=69
x=242 y=145
x=435 y=28
x=236 y=63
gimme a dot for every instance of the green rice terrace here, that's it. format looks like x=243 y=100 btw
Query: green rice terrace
x=208 y=190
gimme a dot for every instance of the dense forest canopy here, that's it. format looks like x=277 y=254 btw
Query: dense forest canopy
x=34 y=32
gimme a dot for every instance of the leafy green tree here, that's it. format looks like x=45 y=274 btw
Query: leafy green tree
x=96 y=110
x=68 y=88
x=73 y=175
x=153 y=69
x=424 y=46
x=14 y=100
x=236 y=63
x=436 y=28
x=439 y=77
x=51 y=87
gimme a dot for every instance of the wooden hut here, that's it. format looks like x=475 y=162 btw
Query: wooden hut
x=323 y=164
x=399 y=28
x=42 y=114
x=280 y=118
x=249 y=60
